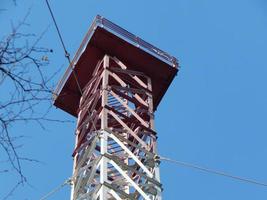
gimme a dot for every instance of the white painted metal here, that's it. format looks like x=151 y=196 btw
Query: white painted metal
x=115 y=195
x=103 y=134
x=150 y=102
x=130 y=180
x=131 y=154
x=119 y=161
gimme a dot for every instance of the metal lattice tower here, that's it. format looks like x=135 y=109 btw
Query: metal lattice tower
x=123 y=80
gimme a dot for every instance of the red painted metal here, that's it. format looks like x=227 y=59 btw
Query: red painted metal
x=103 y=38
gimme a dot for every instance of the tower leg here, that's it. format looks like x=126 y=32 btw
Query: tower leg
x=103 y=136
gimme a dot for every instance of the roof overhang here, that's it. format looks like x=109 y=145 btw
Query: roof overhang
x=104 y=37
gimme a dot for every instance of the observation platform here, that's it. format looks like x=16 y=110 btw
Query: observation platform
x=105 y=37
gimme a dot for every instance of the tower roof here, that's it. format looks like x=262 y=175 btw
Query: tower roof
x=105 y=37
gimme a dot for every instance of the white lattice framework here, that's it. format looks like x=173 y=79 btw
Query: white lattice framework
x=115 y=153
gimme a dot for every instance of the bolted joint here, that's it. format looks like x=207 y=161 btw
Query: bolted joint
x=101 y=134
x=157 y=159
x=70 y=181
x=103 y=88
x=67 y=55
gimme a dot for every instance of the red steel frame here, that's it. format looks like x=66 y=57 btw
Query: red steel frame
x=116 y=141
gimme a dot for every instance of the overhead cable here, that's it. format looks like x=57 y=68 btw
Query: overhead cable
x=55 y=190
x=67 y=55
x=212 y=171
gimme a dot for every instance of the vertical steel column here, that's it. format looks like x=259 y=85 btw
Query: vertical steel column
x=150 y=103
x=103 y=134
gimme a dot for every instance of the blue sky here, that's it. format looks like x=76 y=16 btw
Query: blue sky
x=214 y=114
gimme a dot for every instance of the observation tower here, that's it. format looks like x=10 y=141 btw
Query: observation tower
x=113 y=86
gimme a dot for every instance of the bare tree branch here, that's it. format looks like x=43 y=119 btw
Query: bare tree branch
x=25 y=87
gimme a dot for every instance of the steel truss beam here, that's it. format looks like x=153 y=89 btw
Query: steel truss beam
x=114 y=156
